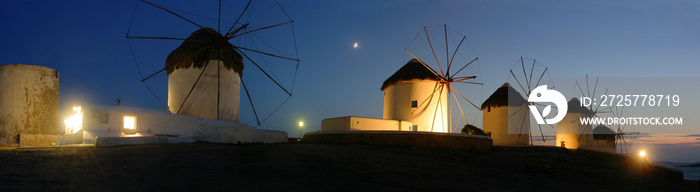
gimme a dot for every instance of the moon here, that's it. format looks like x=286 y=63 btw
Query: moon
x=355 y=46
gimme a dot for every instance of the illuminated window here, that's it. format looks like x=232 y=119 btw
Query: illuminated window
x=130 y=122
x=414 y=103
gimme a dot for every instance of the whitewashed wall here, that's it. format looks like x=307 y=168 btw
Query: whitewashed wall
x=352 y=123
x=507 y=126
x=202 y=102
x=570 y=129
x=397 y=104
x=108 y=121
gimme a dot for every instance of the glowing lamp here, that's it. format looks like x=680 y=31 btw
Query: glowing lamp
x=301 y=125
x=75 y=122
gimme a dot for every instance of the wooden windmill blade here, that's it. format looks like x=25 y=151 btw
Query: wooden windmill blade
x=432 y=126
x=527 y=84
x=433 y=50
x=593 y=112
x=626 y=144
x=445 y=78
x=453 y=78
x=622 y=141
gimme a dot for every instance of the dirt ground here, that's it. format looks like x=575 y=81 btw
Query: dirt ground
x=315 y=167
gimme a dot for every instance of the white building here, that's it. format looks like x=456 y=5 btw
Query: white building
x=354 y=123
x=413 y=101
x=570 y=132
x=506 y=117
x=94 y=121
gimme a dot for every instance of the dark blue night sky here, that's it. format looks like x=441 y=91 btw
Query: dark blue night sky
x=85 y=41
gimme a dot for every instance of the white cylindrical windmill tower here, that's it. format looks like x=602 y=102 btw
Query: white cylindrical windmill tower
x=571 y=133
x=204 y=77
x=604 y=139
x=414 y=93
x=506 y=118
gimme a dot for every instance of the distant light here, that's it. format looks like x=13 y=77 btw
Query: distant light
x=642 y=153
x=301 y=123
x=355 y=46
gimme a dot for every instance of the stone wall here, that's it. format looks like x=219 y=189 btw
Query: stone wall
x=29 y=102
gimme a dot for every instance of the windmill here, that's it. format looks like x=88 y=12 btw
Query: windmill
x=527 y=83
x=620 y=142
x=619 y=135
x=571 y=133
x=434 y=108
x=593 y=111
x=206 y=70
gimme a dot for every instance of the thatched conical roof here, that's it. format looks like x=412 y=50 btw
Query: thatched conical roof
x=574 y=106
x=603 y=132
x=602 y=129
x=203 y=45
x=412 y=70
x=501 y=98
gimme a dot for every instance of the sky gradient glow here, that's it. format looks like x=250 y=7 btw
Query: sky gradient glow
x=85 y=41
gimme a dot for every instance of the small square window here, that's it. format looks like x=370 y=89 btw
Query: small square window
x=414 y=103
x=103 y=117
x=130 y=122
